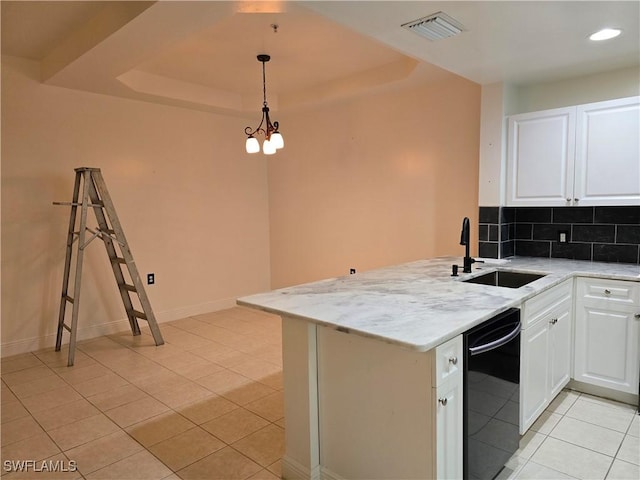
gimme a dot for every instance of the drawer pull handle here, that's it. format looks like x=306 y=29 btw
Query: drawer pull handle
x=607 y=292
x=453 y=360
x=637 y=316
x=553 y=321
x=443 y=402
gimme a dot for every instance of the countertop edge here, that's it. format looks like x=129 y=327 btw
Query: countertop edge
x=453 y=332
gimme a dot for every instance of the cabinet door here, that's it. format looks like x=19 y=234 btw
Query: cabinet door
x=608 y=153
x=606 y=347
x=560 y=344
x=534 y=373
x=541 y=155
x=449 y=429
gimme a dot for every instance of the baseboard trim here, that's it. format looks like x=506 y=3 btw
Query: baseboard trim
x=329 y=475
x=188 y=311
x=624 y=397
x=32 y=344
x=38 y=343
x=293 y=470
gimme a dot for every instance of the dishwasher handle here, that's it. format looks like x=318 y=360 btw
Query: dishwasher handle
x=496 y=343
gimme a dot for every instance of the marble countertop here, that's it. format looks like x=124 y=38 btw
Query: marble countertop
x=419 y=305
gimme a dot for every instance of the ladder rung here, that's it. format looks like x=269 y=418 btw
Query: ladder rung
x=131 y=288
x=118 y=260
x=77 y=204
x=67 y=327
x=138 y=314
x=68 y=298
x=109 y=231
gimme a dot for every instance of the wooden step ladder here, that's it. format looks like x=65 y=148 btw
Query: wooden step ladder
x=96 y=196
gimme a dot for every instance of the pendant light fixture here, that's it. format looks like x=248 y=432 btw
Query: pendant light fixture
x=272 y=138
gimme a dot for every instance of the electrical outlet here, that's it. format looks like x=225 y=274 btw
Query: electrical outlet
x=151 y=278
x=563 y=236
x=352 y=271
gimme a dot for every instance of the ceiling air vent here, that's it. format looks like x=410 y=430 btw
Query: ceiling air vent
x=435 y=27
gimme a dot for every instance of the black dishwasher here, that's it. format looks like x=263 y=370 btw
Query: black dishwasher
x=491 y=395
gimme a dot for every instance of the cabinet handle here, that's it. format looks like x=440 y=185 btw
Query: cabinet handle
x=637 y=316
x=607 y=292
x=443 y=401
x=553 y=321
x=568 y=200
x=576 y=200
x=453 y=360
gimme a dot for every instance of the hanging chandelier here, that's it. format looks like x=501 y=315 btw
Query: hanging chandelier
x=272 y=138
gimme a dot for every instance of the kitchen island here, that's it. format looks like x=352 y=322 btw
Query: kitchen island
x=361 y=367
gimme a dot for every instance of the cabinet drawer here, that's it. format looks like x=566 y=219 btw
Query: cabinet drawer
x=542 y=304
x=448 y=360
x=592 y=291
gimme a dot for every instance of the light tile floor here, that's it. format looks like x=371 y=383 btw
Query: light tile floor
x=208 y=405
x=580 y=436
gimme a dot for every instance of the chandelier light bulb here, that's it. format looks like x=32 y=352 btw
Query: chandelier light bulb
x=276 y=140
x=268 y=148
x=252 y=145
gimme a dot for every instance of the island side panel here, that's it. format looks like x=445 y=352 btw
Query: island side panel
x=299 y=359
x=376 y=409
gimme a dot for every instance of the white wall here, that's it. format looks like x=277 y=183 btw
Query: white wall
x=575 y=91
x=500 y=100
x=193 y=204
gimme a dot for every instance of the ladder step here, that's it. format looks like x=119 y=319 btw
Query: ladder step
x=68 y=298
x=118 y=260
x=77 y=204
x=66 y=327
x=128 y=287
x=109 y=231
x=138 y=314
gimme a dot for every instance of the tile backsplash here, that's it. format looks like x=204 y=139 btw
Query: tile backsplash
x=603 y=234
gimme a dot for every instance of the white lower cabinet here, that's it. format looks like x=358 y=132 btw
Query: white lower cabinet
x=545 y=366
x=560 y=341
x=448 y=398
x=606 y=334
x=534 y=374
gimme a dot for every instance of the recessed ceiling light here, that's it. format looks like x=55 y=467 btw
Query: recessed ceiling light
x=605 y=34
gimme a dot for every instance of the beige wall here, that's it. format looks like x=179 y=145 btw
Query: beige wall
x=374 y=181
x=365 y=183
x=193 y=205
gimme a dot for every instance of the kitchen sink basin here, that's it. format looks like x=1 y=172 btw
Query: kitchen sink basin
x=505 y=279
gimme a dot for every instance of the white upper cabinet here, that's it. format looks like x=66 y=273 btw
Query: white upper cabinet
x=608 y=153
x=541 y=157
x=583 y=155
